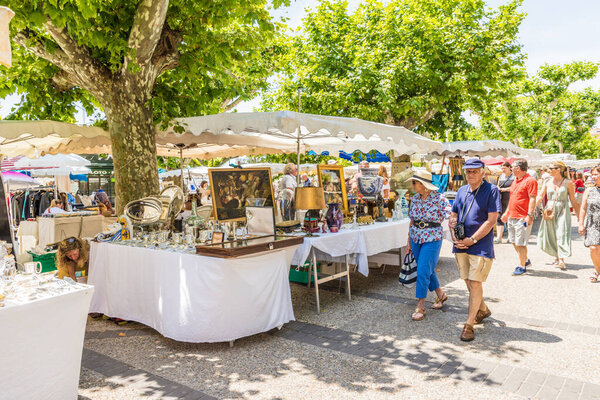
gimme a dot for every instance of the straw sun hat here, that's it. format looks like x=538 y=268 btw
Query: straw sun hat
x=425 y=178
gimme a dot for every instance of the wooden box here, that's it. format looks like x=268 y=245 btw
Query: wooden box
x=243 y=247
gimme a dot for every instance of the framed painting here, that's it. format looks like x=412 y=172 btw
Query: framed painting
x=234 y=188
x=331 y=179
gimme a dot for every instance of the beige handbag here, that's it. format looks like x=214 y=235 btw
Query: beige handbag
x=548 y=212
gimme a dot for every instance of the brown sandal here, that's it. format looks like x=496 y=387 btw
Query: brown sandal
x=421 y=311
x=439 y=303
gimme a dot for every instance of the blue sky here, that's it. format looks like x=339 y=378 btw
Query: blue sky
x=554 y=31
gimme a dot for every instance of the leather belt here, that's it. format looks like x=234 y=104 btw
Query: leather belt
x=426 y=224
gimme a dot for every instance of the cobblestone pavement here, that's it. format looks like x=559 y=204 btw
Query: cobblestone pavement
x=541 y=342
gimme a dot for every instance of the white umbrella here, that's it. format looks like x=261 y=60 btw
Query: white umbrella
x=52 y=161
x=60 y=171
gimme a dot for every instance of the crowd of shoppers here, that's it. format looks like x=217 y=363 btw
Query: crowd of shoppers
x=478 y=207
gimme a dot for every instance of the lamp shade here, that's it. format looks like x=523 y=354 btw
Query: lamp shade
x=309 y=198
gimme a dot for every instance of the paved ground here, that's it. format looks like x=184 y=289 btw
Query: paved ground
x=541 y=342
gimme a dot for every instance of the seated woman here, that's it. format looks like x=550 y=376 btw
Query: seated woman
x=73 y=255
x=55 y=208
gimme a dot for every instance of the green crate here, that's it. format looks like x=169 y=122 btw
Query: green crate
x=48 y=260
x=302 y=275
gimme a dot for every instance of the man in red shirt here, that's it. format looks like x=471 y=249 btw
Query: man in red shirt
x=519 y=213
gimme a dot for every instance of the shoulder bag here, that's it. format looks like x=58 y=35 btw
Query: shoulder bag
x=408 y=271
x=548 y=212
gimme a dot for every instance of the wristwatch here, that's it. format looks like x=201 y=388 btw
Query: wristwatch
x=474 y=240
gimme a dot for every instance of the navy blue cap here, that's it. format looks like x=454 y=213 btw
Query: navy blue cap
x=474 y=163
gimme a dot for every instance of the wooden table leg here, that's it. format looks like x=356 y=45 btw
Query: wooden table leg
x=314 y=259
x=348 y=277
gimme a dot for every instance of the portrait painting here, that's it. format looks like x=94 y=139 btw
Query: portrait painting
x=331 y=179
x=233 y=187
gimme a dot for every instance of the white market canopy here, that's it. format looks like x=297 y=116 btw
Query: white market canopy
x=286 y=130
x=36 y=138
x=547 y=159
x=579 y=164
x=484 y=148
x=51 y=161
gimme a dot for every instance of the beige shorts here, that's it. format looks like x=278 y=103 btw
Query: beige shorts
x=518 y=234
x=473 y=268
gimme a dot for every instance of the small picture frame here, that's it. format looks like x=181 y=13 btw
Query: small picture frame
x=218 y=237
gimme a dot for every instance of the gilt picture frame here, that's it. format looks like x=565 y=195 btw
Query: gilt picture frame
x=231 y=187
x=331 y=179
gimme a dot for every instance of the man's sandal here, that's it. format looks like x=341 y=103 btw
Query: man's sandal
x=439 y=303
x=419 y=314
x=595 y=277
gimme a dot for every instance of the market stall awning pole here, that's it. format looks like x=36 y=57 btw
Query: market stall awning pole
x=298 y=140
x=181 y=165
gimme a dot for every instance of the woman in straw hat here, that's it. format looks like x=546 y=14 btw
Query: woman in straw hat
x=428 y=209
x=554 y=236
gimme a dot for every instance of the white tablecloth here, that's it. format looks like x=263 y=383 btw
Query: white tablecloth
x=364 y=241
x=40 y=346
x=192 y=298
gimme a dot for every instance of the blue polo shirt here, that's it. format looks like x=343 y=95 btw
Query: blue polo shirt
x=486 y=201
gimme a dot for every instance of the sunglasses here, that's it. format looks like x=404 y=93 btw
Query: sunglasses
x=554 y=168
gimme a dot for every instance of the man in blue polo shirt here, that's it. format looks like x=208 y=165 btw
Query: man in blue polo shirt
x=474 y=213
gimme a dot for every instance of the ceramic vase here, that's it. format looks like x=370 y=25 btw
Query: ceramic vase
x=369 y=183
x=402 y=203
x=334 y=216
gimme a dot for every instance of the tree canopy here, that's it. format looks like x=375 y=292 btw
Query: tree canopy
x=543 y=111
x=139 y=61
x=414 y=63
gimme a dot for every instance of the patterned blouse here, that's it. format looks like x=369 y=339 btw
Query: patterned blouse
x=433 y=209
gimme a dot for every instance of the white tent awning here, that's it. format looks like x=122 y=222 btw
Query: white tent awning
x=282 y=130
x=484 y=148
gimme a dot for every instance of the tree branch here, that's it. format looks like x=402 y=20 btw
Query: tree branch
x=230 y=104
x=62 y=81
x=35 y=45
x=166 y=55
x=146 y=31
x=496 y=125
x=552 y=105
x=82 y=64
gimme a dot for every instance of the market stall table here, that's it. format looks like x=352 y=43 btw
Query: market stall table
x=192 y=298
x=41 y=343
x=52 y=230
x=363 y=242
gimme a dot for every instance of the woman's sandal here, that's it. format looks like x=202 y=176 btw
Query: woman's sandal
x=562 y=265
x=595 y=277
x=419 y=314
x=439 y=303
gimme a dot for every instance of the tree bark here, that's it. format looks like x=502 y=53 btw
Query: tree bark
x=133 y=147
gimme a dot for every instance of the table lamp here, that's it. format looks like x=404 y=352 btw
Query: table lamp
x=310 y=198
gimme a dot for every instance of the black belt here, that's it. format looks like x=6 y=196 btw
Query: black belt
x=425 y=224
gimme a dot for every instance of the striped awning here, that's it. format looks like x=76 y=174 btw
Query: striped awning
x=8 y=163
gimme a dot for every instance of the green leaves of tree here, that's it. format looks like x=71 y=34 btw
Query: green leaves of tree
x=543 y=112
x=416 y=63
